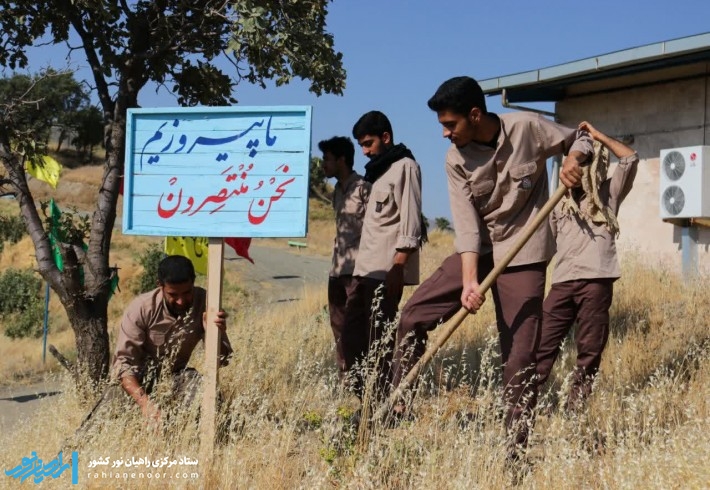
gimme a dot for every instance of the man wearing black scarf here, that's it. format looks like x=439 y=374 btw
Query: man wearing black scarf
x=388 y=258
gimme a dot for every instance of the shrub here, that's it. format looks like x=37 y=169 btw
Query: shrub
x=21 y=303
x=319 y=211
x=29 y=323
x=149 y=260
x=12 y=229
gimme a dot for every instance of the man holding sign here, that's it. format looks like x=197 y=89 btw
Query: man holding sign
x=160 y=329
x=213 y=172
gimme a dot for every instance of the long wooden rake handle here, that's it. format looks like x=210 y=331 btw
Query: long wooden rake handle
x=449 y=327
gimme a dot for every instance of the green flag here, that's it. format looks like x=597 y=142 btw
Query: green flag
x=54 y=232
x=56 y=237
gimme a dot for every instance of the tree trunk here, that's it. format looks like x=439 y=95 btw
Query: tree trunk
x=83 y=286
x=86 y=305
x=92 y=346
x=60 y=139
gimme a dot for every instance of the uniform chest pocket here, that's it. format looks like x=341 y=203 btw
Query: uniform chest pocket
x=380 y=199
x=157 y=338
x=523 y=175
x=481 y=192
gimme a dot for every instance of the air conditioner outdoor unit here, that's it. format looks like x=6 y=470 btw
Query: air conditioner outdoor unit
x=685 y=182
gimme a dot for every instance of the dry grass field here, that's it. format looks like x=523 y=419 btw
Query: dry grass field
x=647 y=425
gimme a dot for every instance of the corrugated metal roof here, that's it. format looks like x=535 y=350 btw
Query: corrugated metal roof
x=643 y=64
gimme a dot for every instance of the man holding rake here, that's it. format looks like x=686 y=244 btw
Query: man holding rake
x=497 y=179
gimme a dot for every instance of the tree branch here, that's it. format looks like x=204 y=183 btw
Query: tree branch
x=94 y=62
x=28 y=210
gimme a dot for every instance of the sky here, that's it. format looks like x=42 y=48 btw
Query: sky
x=397 y=53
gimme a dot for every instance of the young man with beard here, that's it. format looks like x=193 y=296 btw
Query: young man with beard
x=159 y=330
x=585 y=228
x=349 y=202
x=497 y=180
x=388 y=258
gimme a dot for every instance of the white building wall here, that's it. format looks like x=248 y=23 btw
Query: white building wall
x=667 y=115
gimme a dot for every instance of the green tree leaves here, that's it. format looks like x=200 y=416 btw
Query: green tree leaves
x=185 y=47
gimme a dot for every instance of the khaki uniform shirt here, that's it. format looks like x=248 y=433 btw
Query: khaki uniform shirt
x=349 y=202
x=496 y=192
x=587 y=250
x=150 y=333
x=392 y=222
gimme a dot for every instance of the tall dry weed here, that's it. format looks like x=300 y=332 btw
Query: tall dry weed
x=284 y=419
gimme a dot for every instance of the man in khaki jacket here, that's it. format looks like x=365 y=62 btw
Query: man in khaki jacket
x=159 y=331
x=497 y=179
x=349 y=203
x=585 y=226
x=388 y=257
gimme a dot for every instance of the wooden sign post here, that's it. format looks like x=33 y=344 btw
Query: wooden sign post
x=213 y=340
x=216 y=172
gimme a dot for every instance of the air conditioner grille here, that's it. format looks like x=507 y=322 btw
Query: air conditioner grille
x=674 y=165
x=673 y=200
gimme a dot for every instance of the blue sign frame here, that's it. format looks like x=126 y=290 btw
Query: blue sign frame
x=217 y=171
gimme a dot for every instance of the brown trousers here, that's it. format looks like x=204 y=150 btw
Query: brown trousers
x=361 y=337
x=518 y=293
x=587 y=302
x=339 y=289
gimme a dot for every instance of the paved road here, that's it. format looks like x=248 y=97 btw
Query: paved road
x=277 y=276
x=18 y=402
